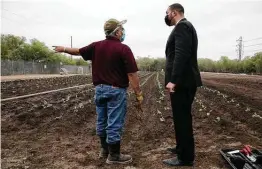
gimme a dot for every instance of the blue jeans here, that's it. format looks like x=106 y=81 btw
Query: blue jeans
x=111 y=111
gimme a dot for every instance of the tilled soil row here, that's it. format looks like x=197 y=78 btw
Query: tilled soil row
x=29 y=86
x=219 y=124
x=247 y=89
x=245 y=94
x=50 y=131
x=146 y=135
x=235 y=79
x=43 y=132
x=58 y=130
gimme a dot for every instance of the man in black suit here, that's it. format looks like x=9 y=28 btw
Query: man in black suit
x=182 y=77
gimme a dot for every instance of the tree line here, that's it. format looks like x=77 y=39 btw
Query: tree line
x=249 y=65
x=16 y=48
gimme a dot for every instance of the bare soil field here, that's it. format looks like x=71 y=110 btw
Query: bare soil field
x=248 y=89
x=29 y=85
x=32 y=76
x=57 y=130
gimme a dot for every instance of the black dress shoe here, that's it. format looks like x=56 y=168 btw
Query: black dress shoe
x=172 y=150
x=176 y=162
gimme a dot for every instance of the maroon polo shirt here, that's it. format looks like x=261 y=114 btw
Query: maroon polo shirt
x=111 y=62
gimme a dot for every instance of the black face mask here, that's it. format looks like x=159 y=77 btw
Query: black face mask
x=168 y=21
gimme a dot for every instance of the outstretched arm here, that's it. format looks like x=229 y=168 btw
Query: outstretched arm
x=71 y=51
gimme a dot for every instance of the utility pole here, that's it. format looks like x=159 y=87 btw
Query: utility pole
x=71 y=46
x=240 y=49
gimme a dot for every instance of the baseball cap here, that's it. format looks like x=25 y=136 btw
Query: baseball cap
x=112 y=25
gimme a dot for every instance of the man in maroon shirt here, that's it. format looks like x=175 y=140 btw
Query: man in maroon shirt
x=113 y=66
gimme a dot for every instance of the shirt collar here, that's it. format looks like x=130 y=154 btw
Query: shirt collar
x=112 y=38
x=179 y=20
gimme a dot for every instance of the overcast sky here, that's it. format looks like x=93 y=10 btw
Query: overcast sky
x=219 y=23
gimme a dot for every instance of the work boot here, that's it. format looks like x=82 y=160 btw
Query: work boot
x=115 y=157
x=104 y=148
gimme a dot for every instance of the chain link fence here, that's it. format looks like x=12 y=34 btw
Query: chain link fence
x=20 y=67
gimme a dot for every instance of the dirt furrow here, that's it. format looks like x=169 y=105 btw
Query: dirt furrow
x=51 y=131
x=29 y=86
x=58 y=130
x=245 y=94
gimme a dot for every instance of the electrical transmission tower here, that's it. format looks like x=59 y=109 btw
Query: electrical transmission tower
x=240 y=48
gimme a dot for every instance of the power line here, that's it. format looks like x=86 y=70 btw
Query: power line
x=254 y=50
x=14 y=13
x=23 y=16
x=12 y=20
x=22 y=25
x=254 y=45
x=252 y=39
x=258 y=50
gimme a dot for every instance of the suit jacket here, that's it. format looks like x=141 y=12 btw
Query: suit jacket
x=181 y=56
